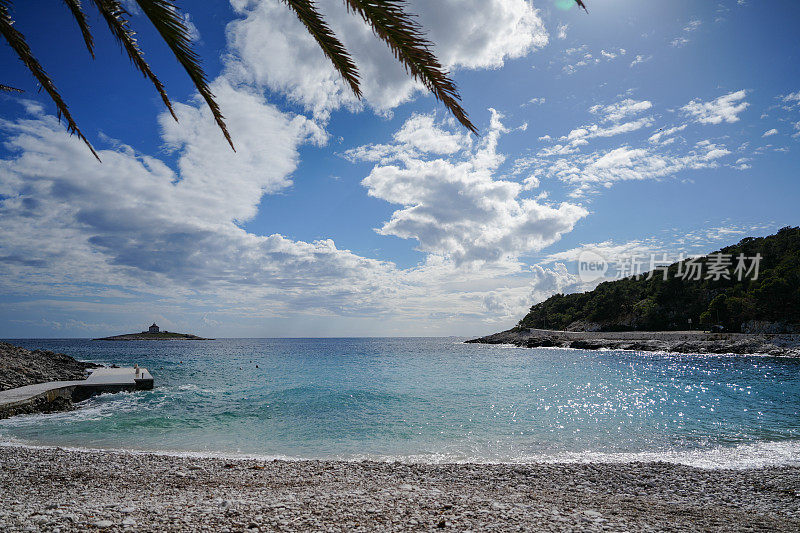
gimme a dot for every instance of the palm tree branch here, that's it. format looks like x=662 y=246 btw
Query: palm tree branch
x=333 y=49
x=80 y=18
x=114 y=15
x=17 y=42
x=166 y=18
x=9 y=89
x=405 y=39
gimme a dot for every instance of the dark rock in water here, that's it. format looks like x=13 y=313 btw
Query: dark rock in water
x=781 y=345
x=39 y=405
x=20 y=367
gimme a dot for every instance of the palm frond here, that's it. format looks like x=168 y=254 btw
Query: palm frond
x=115 y=17
x=9 y=89
x=404 y=37
x=167 y=20
x=581 y=4
x=80 y=18
x=306 y=11
x=20 y=46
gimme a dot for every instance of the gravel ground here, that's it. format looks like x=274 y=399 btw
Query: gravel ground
x=57 y=490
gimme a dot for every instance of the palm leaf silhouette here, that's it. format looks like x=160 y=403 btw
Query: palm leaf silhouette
x=404 y=37
x=115 y=17
x=387 y=18
x=167 y=20
x=80 y=18
x=17 y=43
x=333 y=49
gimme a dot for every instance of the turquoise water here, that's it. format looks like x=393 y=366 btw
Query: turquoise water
x=434 y=400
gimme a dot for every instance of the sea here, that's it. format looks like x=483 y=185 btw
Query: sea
x=430 y=400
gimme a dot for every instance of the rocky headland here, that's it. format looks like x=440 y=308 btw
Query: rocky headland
x=780 y=345
x=20 y=367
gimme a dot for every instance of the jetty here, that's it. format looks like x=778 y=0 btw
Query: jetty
x=36 y=398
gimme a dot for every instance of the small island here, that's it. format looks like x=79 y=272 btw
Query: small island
x=153 y=333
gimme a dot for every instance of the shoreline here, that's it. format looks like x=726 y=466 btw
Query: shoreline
x=687 y=342
x=744 y=456
x=75 y=490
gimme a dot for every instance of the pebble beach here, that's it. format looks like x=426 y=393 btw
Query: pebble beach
x=53 y=489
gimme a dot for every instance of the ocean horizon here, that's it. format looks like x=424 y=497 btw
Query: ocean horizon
x=430 y=400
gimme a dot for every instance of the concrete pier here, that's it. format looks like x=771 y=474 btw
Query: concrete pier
x=101 y=380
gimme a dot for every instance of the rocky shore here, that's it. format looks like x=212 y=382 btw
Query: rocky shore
x=58 y=490
x=20 y=367
x=780 y=345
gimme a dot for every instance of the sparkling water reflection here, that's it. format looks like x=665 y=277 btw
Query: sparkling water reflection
x=432 y=400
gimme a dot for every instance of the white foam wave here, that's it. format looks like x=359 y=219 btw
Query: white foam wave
x=744 y=456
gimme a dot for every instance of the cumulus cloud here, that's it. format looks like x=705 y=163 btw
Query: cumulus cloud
x=418 y=136
x=173 y=227
x=770 y=133
x=456 y=208
x=726 y=108
x=272 y=49
x=134 y=221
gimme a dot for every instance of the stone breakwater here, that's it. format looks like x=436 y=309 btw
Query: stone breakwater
x=780 y=345
x=20 y=367
x=58 y=490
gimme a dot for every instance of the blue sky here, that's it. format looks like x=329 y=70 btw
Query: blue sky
x=642 y=127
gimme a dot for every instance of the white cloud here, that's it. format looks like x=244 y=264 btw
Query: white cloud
x=131 y=221
x=562 y=30
x=639 y=59
x=619 y=110
x=274 y=50
x=578 y=57
x=691 y=27
x=723 y=109
x=537 y=101
x=770 y=133
x=458 y=210
x=140 y=225
x=791 y=97
x=667 y=134
x=419 y=135
x=194 y=33
x=604 y=168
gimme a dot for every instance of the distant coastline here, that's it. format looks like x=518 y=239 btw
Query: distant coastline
x=147 y=336
x=779 y=345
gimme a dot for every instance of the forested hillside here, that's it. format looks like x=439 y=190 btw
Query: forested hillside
x=770 y=303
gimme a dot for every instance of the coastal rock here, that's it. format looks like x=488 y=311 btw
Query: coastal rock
x=780 y=345
x=20 y=367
